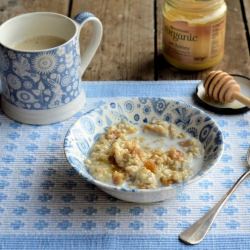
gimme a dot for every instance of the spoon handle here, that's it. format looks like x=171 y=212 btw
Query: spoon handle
x=197 y=232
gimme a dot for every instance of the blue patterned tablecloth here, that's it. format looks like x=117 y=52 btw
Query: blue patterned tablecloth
x=45 y=204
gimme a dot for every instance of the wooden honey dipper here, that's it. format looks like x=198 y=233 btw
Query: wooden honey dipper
x=222 y=87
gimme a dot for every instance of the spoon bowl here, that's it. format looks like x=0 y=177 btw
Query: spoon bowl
x=197 y=232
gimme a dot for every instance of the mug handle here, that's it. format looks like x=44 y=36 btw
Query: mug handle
x=87 y=55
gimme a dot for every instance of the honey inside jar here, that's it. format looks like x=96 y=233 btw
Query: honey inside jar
x=194 y=33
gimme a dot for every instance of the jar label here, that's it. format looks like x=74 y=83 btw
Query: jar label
x=193 y=43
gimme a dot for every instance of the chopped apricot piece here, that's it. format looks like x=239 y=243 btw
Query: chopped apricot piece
x=118 y=178
x=150 y=165
x=166 y=181
x=175 y=154
x=186 y=143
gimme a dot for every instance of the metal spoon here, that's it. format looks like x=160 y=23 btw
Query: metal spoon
x=197 y=232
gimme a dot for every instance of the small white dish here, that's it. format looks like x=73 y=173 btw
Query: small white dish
x=234 y=107
x=83 y=134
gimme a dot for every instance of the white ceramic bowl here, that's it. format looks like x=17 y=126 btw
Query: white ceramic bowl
x=82 y=135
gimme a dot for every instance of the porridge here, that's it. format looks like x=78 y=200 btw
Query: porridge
x=151 y=156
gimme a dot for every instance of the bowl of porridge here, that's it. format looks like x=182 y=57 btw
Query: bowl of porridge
x=144 y=149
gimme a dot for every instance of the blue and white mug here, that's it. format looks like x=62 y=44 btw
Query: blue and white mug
x=43 y=86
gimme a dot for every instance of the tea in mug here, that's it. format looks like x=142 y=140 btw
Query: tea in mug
x=39 y=43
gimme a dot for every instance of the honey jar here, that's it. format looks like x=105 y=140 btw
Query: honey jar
x=194 y=33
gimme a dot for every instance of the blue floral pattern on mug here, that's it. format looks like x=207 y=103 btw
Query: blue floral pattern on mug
x=41 y=80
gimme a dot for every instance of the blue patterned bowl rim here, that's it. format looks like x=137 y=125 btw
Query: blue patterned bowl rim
x=178 y=186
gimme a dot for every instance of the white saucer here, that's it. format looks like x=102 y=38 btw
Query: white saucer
x=234 y=107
